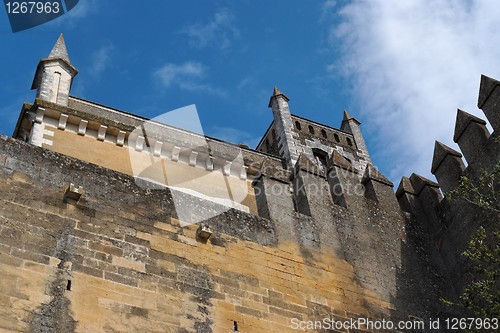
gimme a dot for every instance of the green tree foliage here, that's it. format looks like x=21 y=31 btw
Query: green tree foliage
x=482 y=295
x=484 y=192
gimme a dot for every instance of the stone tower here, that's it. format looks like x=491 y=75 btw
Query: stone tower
x=290 y=136
x=351 y=125
x=54 y=75
x=284 y=125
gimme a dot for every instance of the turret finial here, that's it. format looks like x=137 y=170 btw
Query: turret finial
x=277 y=93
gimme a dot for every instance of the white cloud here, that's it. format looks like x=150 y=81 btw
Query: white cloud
x=413 y=63
x=246 y=81
x=220 y=31
x=101 y=59
x=327 y=8
x=83 y=9
x=186 y=76
x=173 y=73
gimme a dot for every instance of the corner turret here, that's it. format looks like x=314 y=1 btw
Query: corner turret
x=284 y=124
x=351 y=125
x=54 y=75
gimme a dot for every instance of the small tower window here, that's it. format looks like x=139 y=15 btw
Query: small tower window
x=297 y=125
x=267 y=144
x=311 y=129
x=273 y=133
x=321 y=158
x=336 y=136
x=323 y=133
x=349 y=142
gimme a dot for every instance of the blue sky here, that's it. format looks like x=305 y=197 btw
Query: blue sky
x=401 y=69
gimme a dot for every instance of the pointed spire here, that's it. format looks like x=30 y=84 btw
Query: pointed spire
x=59 y=50
x=440 y=152
x=463 y=120
x=348 y=117
x=277 y=93
x=54 y=75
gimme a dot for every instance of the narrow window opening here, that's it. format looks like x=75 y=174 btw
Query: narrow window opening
x=297 y=125
x=273 y=134
x=349 y=142
x=235 y=325
x=336 y=136
x=311 y=129
x=58 y=78
x=68 y=285
x=323 y=133
x=321 y=158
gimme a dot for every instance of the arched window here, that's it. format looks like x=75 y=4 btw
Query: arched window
x=349 y=142
x=297 y=125
x=311 y=129
x=323 y=133
x=336 y=136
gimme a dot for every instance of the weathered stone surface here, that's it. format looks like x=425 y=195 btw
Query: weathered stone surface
x=447 y=166
x=489 y=100
x=126 y=276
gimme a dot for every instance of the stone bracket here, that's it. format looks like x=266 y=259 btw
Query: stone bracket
x=204 y=232
x=157 y=148
x=101 y=134
x=63 y=121
x=120 y=138
x=40 y=112
x=82 y=128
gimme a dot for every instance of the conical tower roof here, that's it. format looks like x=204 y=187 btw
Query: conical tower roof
x=276 y=93
x=348 y=117
x=58 y=54
x=59 y=50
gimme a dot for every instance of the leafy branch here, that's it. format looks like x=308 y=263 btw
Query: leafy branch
x=482 y=295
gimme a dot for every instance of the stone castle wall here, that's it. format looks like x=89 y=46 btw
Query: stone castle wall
x=119 y=260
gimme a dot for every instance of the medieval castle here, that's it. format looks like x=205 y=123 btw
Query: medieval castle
x=111 y=222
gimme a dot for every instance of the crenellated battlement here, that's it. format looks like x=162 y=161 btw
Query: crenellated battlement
x=479 y=148
x=446 y=226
